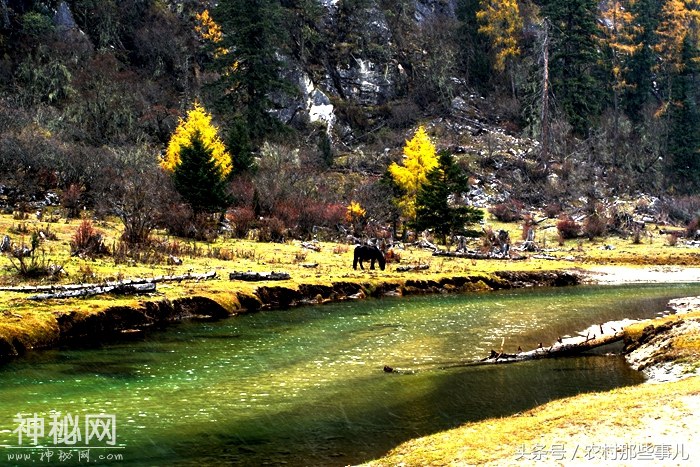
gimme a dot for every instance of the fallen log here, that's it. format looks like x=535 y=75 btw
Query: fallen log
x=122 y=289
x=259 y=276
x=57 y=288
x=475 y=255
x=562 y=348
x=569 y=347
x=418 y=267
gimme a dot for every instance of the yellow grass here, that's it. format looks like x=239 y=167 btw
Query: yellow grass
x=623 y=415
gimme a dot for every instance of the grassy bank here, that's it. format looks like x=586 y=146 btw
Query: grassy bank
x=585 y=429
x=32 y=324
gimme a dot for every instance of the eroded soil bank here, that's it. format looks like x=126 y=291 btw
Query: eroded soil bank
x=107 y=322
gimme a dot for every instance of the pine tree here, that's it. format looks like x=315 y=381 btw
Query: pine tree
x=198 y=178
x=420 y=158
x=639 y=74
x=249 y=67
x=436 y=205
x=474 y=45
x=683 y=164
x=573 y=59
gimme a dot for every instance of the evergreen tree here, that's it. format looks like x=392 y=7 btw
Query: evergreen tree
x=573 y=60
x=683 y=164
x=198 y=178
x=248 y=63
x=639 y=74
x=474 y=51
x=436 y=202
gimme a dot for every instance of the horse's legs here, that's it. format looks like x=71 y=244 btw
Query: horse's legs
x=371 y=265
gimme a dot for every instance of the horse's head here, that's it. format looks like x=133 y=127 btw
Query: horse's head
x=381 y=259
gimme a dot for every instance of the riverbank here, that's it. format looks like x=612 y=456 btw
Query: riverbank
x=54 y=322
x=651 y=423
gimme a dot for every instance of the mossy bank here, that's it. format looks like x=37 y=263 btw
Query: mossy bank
x=97 y=319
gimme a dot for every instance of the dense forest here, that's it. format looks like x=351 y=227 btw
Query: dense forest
x=534 y=103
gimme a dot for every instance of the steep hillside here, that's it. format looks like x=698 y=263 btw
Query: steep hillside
x=91 y=92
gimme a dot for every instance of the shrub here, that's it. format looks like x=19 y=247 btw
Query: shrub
x=552 y=210
x=508 y=211
x=527 y=226
x=672 y=239
x=392 y=256
x=691 y=230
x=178 y=220
x=594 y=226
x=70 y=200
x=271 y=230
x=28 y=265
x=567 y=227
x=682 y=208
x=87 y=241
x=242 y=220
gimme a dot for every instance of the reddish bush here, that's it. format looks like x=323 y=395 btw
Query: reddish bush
x=595 y=225
x=508 y=211
x=302 y=216
x=178 y=220
x=70 y=200
x=87 y=241
x=567 y=227
x=271 y=230
x=242 y=220
x=528 y=225
x=692 y=230
x=552 y=210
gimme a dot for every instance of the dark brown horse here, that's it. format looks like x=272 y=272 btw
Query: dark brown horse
x=368 y=253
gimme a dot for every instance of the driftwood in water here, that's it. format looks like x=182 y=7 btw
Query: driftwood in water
x=56 y=288
x=121 y=289
x=559 y=349
x=259 y=276
x=562 y=348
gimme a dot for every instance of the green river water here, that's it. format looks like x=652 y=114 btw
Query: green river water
x=306 y=386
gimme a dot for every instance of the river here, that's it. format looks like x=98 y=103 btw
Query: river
x=306 y=386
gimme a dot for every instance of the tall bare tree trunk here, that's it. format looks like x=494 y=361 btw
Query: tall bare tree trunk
x=544 y=154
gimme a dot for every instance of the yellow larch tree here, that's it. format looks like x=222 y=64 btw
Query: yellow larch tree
x=420 y=157
x=207 y=28
x=671 y=32
x=198 y=121
x=501 y=22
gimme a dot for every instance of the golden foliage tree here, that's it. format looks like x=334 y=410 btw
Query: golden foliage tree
x=199 y=122
x=207 y=28
x=502 y=24
x=420 y=157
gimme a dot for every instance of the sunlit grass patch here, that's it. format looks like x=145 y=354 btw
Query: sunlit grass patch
x=587 y=419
